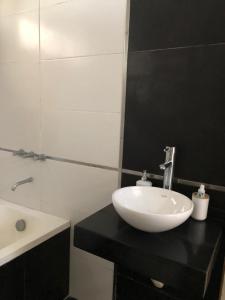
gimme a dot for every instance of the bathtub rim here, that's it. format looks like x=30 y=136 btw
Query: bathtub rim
x=30 y=241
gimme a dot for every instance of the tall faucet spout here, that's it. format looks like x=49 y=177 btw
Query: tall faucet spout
x=168 y=167
x=17 y=184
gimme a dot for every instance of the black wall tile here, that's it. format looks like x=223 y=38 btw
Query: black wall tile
x=177 y=97
x=158 y=24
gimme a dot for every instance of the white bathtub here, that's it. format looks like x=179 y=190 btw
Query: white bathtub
x=39 y=228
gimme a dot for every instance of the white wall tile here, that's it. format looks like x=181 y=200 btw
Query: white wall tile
x=82 y=136
x=83 y=27
x=20 y=106
x=92 y=258
x=19 y=128
x=91 y=83
x=19 y=86
x=89 y=278
x=14 y=169
x=81 y=111
x=75 y=192
x=19 y=37
x=20 y=100
x=17 y=6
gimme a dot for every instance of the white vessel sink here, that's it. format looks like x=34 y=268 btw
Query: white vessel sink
x=152 y=209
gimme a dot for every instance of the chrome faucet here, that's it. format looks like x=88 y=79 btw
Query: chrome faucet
x=29 y=155
x=168 y=167
x=19 y=153
x=24 y=154
x=15 y=186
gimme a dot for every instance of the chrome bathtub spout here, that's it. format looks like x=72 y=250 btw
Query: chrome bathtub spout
x=17 y=184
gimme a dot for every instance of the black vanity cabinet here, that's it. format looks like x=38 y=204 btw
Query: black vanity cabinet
x=128 y=288
x=187 y=259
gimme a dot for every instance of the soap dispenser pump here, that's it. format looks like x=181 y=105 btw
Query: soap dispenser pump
x=201 y=203
x=144 y=180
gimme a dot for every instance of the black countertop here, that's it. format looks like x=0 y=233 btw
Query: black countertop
x=182 y=258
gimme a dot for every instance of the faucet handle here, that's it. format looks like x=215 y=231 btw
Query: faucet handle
x=167 y=149
x=20 y=153
x=29 y=155
x=162 y=167
x=40 y=157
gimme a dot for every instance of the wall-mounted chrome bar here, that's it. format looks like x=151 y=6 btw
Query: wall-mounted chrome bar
x=7 y=150
x=40 y=157
x=81 y=163
x=191 y=183
x=19 y=153
x=139 y=173
x=29 y=155
x=43 y=157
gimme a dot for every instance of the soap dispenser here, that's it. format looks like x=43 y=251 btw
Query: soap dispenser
x=201 y=203
x=144 y=180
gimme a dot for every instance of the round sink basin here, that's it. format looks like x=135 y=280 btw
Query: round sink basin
x=152 y=209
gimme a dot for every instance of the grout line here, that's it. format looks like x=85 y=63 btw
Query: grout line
x=40 y=78
x=47 y=6
x=191 y=183
x=80 y=56
x=25 y=11
x=177 y=48
x=123 y=104
x=16 y=62
x=66 y=109
x=66 y=58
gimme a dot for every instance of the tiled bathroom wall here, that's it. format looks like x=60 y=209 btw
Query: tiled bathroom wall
x=175 y=91
x=61 y=80
x=175 y=97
